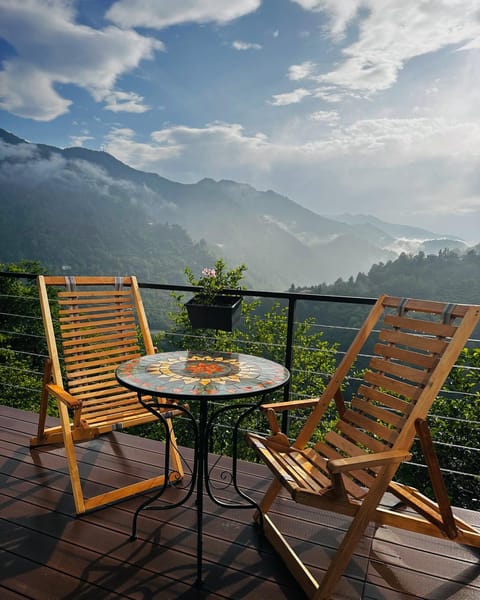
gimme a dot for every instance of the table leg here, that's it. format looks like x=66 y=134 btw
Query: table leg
x=202 y=464
x=247 y=409
x=149 y=503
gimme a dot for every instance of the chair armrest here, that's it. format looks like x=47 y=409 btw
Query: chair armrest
x=290 y=405
x=64 y=396
x=273 y=407
x=353 y=463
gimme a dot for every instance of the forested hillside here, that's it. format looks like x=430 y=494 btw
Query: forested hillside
x=91 y=235
x=85 y=212
x=447 y=276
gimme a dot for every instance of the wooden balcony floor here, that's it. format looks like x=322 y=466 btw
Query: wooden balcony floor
x=48 y=553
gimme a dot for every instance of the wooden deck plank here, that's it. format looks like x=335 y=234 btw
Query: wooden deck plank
x=43 y=543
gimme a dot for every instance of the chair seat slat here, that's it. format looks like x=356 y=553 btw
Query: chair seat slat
x=101 y=367
x=381 y=414
x=274 y=465
x=86 y=322
x=91 y=327
x=115 y=412
x=420 y=326
x=410 y=340
x=357 y=435
x=99 y=394
x=358 y=491
x=107 y=357
x=399 y=370
x=373 y=427
x=392 y=385
x=113 y=338
x=425 y=361
x=376 y=395
x=86 y=296
x=292 y=464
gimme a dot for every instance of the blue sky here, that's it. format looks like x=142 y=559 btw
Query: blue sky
x=360 y=106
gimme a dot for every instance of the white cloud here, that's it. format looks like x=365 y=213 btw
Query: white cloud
x=239 y=45
x=390 y=33
x=395 y=142
x=340 y=12
x=189 y=153
x=125 y=102
x=17 y=152
x=29 y=168
x=303 y=71
x=51 y=48
x=152 y=13
x=405 y=166
x=120 y=142
x=33 y=168
x=378 y=142
x=331 y=117
x=290 y=97
x=79 y=140
x=331 y=94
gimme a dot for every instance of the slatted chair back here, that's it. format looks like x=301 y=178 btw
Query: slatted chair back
x=99 y=323
x=416 y=344
x=98 y=330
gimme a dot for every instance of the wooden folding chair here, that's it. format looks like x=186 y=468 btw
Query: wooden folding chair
x=98 y=323
x=352 y=468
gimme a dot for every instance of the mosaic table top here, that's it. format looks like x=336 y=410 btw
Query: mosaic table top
x=191 y=374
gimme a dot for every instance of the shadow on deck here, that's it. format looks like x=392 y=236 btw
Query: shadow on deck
x=48 y=553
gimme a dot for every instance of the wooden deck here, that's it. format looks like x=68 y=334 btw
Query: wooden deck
x=48 y=553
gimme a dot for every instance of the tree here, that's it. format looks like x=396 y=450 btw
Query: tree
x=22 y=339
x=263 y=335
x=454 y=423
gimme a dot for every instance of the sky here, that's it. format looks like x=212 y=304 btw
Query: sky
x=344 y=106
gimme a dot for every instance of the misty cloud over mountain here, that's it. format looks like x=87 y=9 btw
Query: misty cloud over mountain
x=57 y=200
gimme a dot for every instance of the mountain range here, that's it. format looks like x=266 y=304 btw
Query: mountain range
x=84 y=211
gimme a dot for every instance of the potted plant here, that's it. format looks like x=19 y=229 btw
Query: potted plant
x=212 y=307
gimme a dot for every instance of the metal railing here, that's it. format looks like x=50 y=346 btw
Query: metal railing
x=456 y=433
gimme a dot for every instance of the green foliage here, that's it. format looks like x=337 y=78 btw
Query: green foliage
x=454 y=423
x=89 y=231
x=447 y=276
x=262 y=335
x=22 y=339
x=214 y=280
x=455 y=415
x=454 y=419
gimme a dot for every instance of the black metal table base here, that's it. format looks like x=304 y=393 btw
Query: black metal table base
x=200 y=474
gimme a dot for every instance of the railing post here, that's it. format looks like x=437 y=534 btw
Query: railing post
x=292 y=301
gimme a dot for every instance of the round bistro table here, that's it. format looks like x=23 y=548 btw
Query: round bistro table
x=206 y=377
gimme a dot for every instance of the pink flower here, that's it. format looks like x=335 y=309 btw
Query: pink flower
x=207 y=272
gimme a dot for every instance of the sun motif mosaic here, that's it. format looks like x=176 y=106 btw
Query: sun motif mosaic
x=191 y=374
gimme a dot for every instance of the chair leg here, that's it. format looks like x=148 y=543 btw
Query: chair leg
x=360 y=522
x=270 y=495
x=71 y=459
x=42 y=416
x=436 y=478
x=82 y=504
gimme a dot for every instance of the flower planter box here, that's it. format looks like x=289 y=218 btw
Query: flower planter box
x=224 y=313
